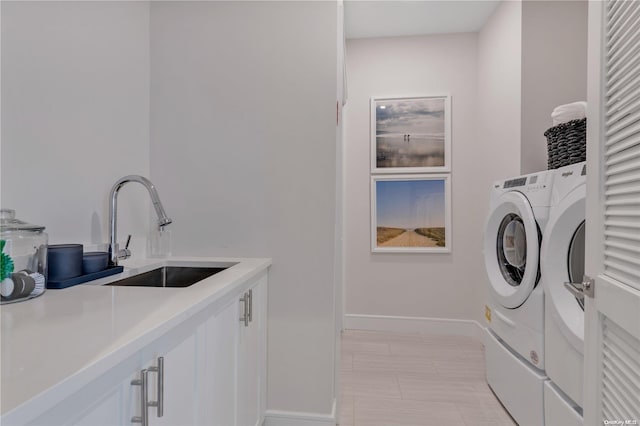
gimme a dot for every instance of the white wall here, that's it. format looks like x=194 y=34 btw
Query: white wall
x=241 y=135
x=339 y=214
x=75 y=115
x=415 y=285
x=554 y=70
x=243 y=148
x=499 y=105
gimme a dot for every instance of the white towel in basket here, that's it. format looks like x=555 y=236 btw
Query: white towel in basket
x=573 y=111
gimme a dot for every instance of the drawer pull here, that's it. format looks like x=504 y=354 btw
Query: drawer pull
x=160 y=387
x=245 y=309
x=143 y=418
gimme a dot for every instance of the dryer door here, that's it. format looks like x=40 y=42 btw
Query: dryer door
x=562 y=260
x=511 y=249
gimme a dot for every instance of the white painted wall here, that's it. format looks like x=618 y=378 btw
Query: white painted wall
x=499 y=105
x=75 y=115
x=554 y=70
x=483 y=73
x=243 y=145
x=338 y=294
x=243 y=134
x=415 y=285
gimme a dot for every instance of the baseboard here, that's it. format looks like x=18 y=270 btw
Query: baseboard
x=293 y=418
x=469 y=328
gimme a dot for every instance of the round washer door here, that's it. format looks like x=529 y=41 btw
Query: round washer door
x=511 y=249
x=562 y=260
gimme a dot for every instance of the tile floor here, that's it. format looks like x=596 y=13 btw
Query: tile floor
x=396 y=379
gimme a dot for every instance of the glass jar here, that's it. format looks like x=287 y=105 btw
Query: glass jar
x=23 y=259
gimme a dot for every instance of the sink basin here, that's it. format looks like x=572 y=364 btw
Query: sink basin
x=169 y=276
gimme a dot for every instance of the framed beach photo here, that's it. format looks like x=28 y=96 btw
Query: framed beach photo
x=411 y=213
x=411 y=134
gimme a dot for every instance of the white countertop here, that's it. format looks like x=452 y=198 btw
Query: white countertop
x=66 y=338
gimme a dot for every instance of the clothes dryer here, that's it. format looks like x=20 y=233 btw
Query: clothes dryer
x=514 y=343
x=562 y=261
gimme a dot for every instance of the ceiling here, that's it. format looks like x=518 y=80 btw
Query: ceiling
x=392 y=18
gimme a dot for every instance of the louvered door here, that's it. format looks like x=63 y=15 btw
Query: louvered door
x=612 y=313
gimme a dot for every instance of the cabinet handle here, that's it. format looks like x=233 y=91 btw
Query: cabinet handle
x=144 y=397
x=250 y=305
x=245 y=308
x=161 y=387
x=159 y=403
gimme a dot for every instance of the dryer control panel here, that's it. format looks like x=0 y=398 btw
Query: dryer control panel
x=532 y=182
x=536 y=186
x=514 y=183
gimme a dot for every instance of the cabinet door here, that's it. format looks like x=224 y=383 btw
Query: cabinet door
x=180 y=385
x=251 y=360
x=262 y=331
x=105 y=413
x=218 y=392
x=102 y=402
x=178 y=350
x=89 y=409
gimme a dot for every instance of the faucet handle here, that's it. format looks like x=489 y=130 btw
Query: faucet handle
x=125 y=253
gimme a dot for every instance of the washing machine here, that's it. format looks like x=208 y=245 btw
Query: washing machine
x=562 y=261
x=514 y=340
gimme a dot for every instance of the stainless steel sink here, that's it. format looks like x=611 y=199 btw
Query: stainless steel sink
x=169 y=276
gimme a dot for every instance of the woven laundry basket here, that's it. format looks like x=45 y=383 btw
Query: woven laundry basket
x=566 y=143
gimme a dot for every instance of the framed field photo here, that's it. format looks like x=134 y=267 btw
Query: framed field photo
x=411 y=135
x=411 y=213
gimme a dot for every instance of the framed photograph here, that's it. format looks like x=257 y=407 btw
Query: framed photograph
x=411 y=213
x=411 y=135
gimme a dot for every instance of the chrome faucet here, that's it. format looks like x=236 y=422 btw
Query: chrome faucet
x=114 y=253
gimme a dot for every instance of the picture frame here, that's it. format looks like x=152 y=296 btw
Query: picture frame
x=411 y=213
x=411 y=134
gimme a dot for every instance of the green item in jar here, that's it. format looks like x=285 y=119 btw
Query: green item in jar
x=6 y=263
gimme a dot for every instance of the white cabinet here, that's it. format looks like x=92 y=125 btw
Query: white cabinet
x=99 y=403
x=218 y=399
x=104 y=413
x=170 y=370
x=180 y=380
x=251 y=377
x=119 y=400
x=213 y=372
x=234 y=389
